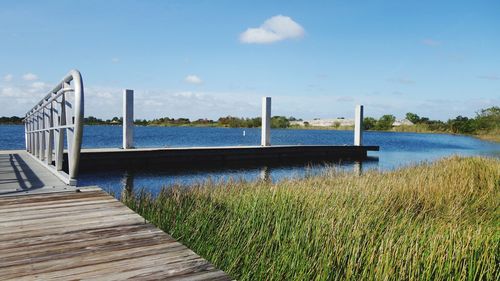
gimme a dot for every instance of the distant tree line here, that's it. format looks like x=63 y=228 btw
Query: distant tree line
x=228 y=121
x=235 y=122
x=14 y=120
x=91 y=120
x=486 y=121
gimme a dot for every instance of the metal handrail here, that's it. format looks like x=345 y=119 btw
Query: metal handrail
x=58 y=114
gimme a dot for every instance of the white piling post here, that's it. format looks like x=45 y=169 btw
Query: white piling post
x=128 y=119
x=265 y=139
x=358 y=126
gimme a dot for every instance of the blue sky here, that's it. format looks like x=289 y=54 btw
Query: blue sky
x=214 y=58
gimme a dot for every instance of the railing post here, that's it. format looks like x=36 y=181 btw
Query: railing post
x=128 y=119
x=38 y=135
x=266 y=122
x=75 y=118
x=32 y=136
x=42 y=135
x=41 y=114
x=47 y=153
x=50 y=142
x=358 y=126
x=27 y=134
x=26 y=128
x=59 y=136
x=70 y=132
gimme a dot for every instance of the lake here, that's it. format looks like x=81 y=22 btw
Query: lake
x=396 y=150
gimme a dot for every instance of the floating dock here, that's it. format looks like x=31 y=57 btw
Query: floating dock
x=49 y=230
x=164 y=158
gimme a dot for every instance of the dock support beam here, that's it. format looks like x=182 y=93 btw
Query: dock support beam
x=358 y=126
x=128 y=119
x=265 y=139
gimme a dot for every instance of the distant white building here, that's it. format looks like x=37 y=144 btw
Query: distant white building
x=337 y=122
x=341 y=122
x=403 y=122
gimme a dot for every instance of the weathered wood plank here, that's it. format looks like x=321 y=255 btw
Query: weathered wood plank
x=37 y=206
x=142 y=268
x=114 y=222
x=40 y=225
x=90 y=254
x=52 y=242
x=51 y=198
x=33 y=220
x=48 y=202
x=9 y=217
x=58 y=211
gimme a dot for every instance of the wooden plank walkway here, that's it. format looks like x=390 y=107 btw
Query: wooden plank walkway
x=83 y=234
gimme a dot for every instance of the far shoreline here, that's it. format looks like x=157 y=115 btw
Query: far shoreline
x=494 y=138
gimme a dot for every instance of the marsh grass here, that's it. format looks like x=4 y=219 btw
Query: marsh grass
x=436 y=221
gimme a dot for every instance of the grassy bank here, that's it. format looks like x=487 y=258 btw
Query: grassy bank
x=493 y=135
x=489 y=137
x=430 y=222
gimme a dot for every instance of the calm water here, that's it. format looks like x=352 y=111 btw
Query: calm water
x=396 y=150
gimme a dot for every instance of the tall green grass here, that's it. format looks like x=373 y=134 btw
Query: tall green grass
x=437 y=221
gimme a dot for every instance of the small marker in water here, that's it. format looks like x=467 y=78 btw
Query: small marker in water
x=244 y=133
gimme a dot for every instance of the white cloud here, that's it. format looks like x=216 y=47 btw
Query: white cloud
x=115 y=60
x=39 y=85
x=8 y=77
x=9 y=92
x=38 y=88
x=17 y=92
x=104 y=95
x=30 y=77
x=272 y=30
x=153 y=103
x=193 y=79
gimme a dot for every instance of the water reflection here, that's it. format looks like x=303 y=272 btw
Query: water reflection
x=125 y=183
x=265 y=174
x=128 y=184
x=358 y=168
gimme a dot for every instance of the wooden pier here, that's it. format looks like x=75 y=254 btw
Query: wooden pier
x=49 y=230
